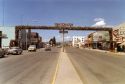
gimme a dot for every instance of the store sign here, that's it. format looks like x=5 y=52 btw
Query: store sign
x=63 y=25
x=119 y=39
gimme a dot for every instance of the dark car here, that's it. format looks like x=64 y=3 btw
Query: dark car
x=2 y=52
x=15 y=50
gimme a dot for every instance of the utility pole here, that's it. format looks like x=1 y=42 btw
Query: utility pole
x=26 y=40
x=63 y=34
x=63 y=27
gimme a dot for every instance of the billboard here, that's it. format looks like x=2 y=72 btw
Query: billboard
x=63 y=24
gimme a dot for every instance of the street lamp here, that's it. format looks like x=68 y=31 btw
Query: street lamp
x=3 y=11
x=36 y=21
x=26 y=40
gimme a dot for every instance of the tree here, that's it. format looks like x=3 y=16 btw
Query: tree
x=51 y=41
x=54 y=40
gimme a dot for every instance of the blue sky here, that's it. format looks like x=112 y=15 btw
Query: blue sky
x=48 y=12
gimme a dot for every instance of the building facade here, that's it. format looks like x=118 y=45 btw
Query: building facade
x=98 y=40
x=22 y=38
x=119 y=37
x=78 y=41
x=101 y=40
x=27 y=38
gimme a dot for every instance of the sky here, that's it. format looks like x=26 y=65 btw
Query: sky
x=48 y=12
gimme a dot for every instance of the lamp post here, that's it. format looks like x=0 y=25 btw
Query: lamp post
x=63 y=27
x=3 y=11
x=26 y=40
x=36 y=21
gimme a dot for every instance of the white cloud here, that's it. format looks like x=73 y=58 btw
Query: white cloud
x=99 y=22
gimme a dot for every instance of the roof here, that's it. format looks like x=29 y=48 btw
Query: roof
x=120 y=26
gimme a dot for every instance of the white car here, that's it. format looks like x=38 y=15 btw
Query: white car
x=32 y=48
x=14 y=50
x=47 y=47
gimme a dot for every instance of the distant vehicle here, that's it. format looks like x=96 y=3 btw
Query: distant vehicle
x=32 y=48
x=2 y=52
x=14 y=50
x=76 y=46
x=47 y=47
x=59 y=46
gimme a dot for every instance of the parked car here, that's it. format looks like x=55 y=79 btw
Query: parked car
x=15 y=50
x=47 y=47
x=32 y=48
x=5 y=49
x=2 y=52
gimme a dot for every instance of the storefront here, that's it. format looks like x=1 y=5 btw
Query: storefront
x=119 y=37
x=101 y=40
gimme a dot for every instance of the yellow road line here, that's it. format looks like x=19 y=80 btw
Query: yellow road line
x=56 y=71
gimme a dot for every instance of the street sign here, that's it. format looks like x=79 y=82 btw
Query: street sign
x=61 y=31
x=63 y=24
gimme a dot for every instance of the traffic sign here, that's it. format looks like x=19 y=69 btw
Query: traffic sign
x=61 y=31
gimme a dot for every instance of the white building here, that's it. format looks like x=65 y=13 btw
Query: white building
x=78 y=41
x=10 y=32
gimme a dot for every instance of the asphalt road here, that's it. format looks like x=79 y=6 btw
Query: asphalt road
x=93 y=67
x=29 y=68
x=96 y=67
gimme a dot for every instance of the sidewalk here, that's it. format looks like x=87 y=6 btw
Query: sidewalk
x=117 y=53
x=66 y=73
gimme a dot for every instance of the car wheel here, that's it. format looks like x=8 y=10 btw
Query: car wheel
x=20 y=53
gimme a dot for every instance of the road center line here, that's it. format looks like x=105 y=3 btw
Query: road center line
x=56 y=71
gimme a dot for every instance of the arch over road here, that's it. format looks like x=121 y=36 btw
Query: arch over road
x=78 y=28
